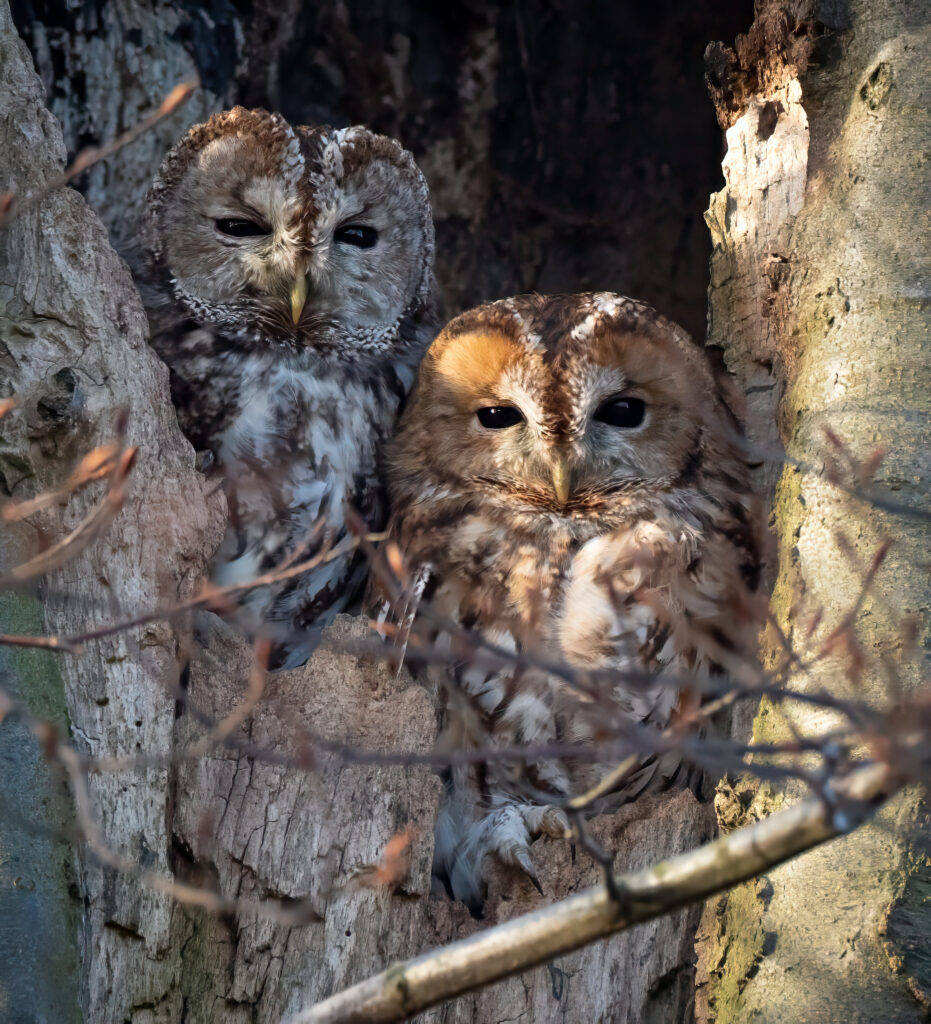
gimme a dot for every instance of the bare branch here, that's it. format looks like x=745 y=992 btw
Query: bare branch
x=9 y=205
x=294 y=912
x=209 y=596
x=79 y=538
x=411 y=987
x=97 y=463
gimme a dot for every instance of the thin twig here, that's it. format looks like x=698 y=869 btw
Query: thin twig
x=10 y=205
x=96 y=464
x=295 y=912
x=208 y=596
x=219 y=733
x=78 y=539
x=405 y=989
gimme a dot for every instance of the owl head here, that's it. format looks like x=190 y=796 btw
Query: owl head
x=306 y=237
x=565 y=408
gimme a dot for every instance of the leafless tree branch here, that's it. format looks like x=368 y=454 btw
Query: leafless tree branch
x=10 y=205
x=411 y=987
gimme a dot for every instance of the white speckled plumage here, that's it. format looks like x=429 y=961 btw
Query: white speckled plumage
x=293 y=406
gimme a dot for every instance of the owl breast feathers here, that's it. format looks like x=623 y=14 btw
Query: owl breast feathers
x=567 y=484
x=289 y=284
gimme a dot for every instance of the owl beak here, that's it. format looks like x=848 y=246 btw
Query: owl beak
x=560 y=472
x=298 y=298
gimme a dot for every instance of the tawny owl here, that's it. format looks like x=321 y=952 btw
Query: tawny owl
x=290 y=289
x=568 y=484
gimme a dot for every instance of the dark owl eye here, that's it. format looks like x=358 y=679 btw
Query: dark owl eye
x=497 y=417
x=240 y=228
x=360 y=235
x=621 y=412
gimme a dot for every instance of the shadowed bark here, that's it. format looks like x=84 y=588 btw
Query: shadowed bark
x=568 y=146
x=74 y=351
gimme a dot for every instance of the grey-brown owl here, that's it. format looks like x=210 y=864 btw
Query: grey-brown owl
x=567 y=482
x=289 y=286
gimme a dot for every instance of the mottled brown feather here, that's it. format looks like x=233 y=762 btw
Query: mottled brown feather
x=647 y=568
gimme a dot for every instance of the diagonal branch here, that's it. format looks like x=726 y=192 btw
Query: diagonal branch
x=9 y=204
x=208 y=596
x=411 y=987
x=84 y=534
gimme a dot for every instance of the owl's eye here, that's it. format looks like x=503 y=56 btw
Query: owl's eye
x=359 y=235
x=621 y=411
x=497 y=417
x=239 y=227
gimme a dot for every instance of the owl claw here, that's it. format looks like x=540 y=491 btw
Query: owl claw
x=519 y=857
x=505 y=833
x=554 y=823
x=514 y=828
x=548 y=821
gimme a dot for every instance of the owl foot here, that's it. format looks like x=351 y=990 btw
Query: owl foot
x=509 y=831
x=467 y=846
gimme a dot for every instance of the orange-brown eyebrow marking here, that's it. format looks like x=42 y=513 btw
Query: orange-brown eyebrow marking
x=475 y=361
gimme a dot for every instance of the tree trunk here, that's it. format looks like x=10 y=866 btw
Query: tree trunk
x=74 y=351
x=819 y=274
x=235 y=825
x=507 y=113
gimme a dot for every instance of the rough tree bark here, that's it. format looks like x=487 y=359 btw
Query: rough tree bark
x=74 y=350
x=235 y=825
x=790 y=253
x=819 y=283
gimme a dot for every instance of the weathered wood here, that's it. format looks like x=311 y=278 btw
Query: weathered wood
x=74 y=350
x=575 y=923
x=312 y=830
x=819 y=281
x=645 y=974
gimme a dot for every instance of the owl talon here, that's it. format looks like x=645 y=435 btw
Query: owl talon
x=519 y=857
x=555 y=823
x=510 y=831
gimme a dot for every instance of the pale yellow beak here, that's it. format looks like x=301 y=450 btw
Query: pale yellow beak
x=561 y=478
x=298 y=298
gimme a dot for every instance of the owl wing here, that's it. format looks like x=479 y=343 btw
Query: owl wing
x=666 y=609
x=204 y=375
x=291 y=473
